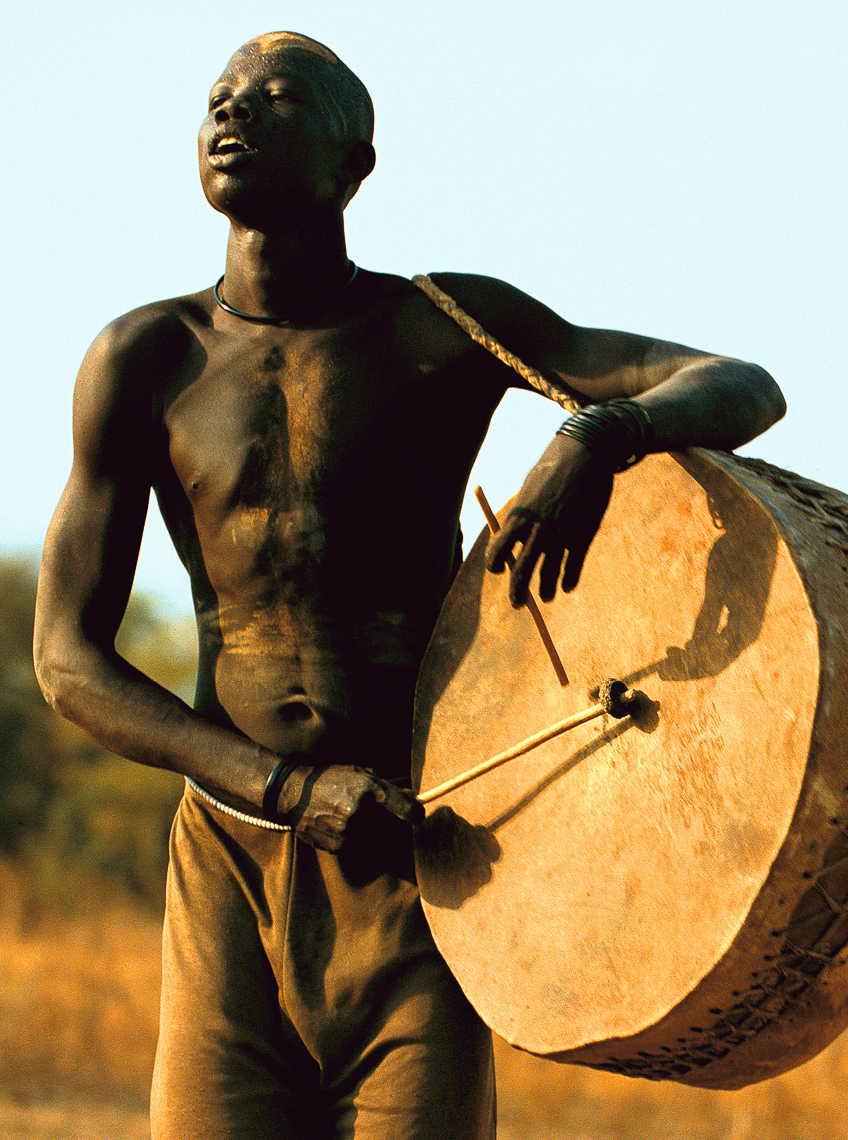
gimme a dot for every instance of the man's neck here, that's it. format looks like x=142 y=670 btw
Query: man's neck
x=286 y=275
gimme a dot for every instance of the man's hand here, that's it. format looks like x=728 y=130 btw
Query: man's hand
x=331 y=806
x=559 y=509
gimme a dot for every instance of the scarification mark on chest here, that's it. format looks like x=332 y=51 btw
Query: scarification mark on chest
x=274 y=521
x=266 y=475
x=275 y=361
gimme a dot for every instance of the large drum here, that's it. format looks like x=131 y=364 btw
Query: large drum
x=666 y=895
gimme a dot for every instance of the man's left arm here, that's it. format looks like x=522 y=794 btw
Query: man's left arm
x=681 y=397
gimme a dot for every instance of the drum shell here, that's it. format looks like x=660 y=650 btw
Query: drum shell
x=779 y=992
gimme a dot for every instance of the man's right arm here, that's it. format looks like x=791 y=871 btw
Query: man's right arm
x=88 y=566
x=86 y=576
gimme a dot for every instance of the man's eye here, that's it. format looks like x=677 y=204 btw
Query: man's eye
x=283 y=97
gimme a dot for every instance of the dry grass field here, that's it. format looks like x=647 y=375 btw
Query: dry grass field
x=78 y=1002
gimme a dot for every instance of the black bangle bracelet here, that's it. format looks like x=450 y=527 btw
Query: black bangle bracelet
x=619 y=429
x=274 y=785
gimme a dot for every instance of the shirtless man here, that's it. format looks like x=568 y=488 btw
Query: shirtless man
x=308 y=433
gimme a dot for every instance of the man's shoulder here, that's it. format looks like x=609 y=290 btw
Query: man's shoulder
x=135 y=358
x=160 y=329
x=469 y=287
x=518 y=321
x=432 y=328
x=490 y=298
x=480 y=295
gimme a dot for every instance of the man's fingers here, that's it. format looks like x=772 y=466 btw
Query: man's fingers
x=534 y=538
x=323 y=841
x=524 y=527
x=401 y=803
x=578 y=550
x=346 y=803
x=498 y=551
x=573 y=567
x=593 y=514
x=516 y=528
x=522 y=571
x=549 y=574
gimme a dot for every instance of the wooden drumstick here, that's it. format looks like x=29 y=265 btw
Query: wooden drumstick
x=532 y=605
x=614 y=699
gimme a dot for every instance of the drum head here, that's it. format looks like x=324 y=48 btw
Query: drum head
x=580 y=892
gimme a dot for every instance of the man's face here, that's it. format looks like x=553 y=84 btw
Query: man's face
x=266 y=142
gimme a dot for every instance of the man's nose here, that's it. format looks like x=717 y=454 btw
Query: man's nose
x=236 y=107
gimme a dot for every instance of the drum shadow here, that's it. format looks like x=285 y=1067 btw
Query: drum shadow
x=737 y=583
x=454 y=858
x=612 y=733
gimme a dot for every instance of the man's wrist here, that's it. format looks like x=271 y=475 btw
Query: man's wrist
x=620 y=431
x=274 y=784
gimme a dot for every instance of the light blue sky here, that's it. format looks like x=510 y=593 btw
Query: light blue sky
x=671 y=168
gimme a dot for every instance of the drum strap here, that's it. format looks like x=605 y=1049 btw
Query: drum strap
x=477 y=333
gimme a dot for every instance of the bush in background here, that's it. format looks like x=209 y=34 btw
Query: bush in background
x=79 y=822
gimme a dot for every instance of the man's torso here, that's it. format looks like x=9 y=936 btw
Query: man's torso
x=312 y=480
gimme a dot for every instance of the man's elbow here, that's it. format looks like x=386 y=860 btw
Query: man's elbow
x=51 y=680
x=768 y=401
x=57 y=678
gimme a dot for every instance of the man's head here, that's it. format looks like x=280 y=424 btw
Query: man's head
x=285 y=89
x=347 y=102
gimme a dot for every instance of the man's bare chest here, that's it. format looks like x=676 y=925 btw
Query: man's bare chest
x=289 y=460
x=280 y=420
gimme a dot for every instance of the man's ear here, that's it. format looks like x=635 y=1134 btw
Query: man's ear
x=356 y=165
x=359 y=161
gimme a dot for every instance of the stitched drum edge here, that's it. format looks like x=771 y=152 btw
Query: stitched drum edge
x=817 y=932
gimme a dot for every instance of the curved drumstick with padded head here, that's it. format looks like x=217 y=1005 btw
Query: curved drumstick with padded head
x=614 y=698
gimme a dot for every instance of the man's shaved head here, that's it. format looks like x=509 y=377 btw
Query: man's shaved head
x=347 y=102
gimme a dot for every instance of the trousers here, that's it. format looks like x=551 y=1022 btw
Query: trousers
x=303 y=997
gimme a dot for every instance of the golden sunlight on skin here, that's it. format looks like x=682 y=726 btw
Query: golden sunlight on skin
x=272 y=40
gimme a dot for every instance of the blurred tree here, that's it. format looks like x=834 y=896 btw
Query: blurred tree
x=75 y=814
x=29 y=759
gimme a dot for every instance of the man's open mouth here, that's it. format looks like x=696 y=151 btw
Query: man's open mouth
x=229 y=144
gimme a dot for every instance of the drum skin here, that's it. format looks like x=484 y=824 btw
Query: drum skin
x=663 y=896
